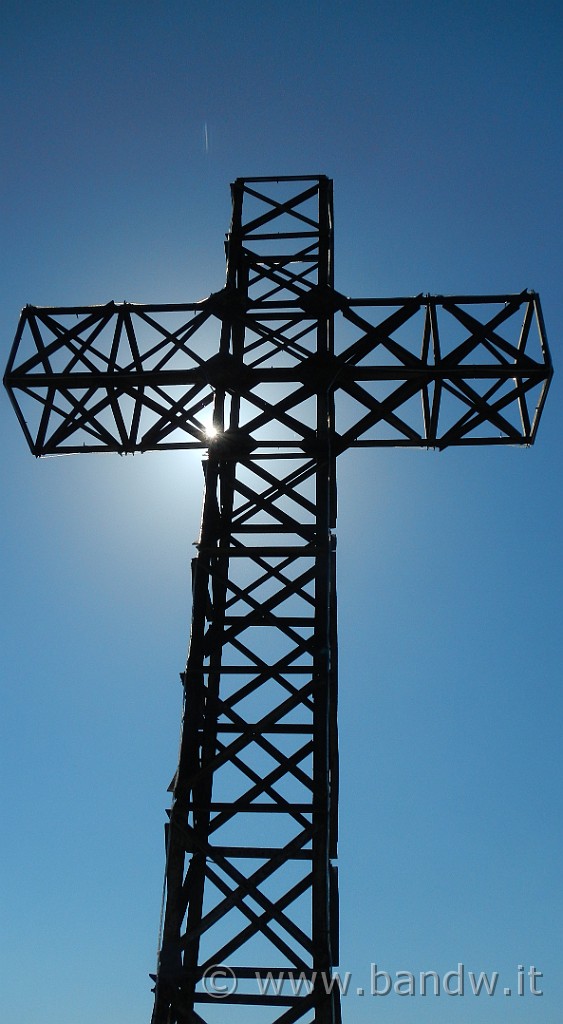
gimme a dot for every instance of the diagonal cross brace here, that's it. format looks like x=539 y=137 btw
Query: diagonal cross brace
x=300 y=373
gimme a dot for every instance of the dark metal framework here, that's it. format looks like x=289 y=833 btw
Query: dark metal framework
x=301 y=374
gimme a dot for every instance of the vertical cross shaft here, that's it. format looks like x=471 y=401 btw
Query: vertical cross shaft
x=283 y=645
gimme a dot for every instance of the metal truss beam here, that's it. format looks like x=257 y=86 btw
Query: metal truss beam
x=301 y=374
x=432 y=371
x=253 y=821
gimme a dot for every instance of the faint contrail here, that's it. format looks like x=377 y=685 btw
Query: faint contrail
x=206 y=137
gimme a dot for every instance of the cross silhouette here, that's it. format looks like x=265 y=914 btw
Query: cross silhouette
x=301 y=374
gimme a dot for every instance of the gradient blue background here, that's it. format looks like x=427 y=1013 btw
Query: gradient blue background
x=441 y=125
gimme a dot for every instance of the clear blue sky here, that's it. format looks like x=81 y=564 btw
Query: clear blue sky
x=441 y=126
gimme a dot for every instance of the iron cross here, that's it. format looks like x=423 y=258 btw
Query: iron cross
x=300 y=374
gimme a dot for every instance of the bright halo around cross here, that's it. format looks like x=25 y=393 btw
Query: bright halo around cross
x=211 y=432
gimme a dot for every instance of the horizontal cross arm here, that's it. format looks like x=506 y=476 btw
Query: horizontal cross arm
x=428 y=371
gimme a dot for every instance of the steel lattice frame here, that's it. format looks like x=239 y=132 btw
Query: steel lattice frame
x=302 y=373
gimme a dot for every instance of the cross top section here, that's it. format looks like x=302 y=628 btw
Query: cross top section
x=423 y=371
